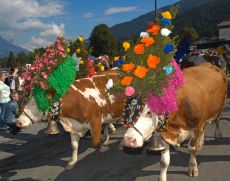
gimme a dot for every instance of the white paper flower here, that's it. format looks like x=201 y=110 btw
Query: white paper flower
x=144 y=34
x=165 y=32
x=109 y=84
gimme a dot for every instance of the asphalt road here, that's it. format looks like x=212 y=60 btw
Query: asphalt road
x=32 y=155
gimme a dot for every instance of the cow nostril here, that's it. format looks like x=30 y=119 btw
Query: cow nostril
x=130 y=140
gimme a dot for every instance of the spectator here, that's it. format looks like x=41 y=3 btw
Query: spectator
x=11 y=113
x=10 y=80
x=18 y=83
x=4 y=97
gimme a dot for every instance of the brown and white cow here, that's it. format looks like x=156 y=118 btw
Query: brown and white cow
x=200 y=101
x=87 y=105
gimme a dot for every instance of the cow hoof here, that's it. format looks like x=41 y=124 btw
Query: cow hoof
x=218 y=134
x=193 y=172
x=69 y=167
x=103 y=148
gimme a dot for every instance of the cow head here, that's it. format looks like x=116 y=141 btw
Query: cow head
x=30 y=115
x=145 y=125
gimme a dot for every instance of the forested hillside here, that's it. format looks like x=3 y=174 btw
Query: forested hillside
x=203 y=15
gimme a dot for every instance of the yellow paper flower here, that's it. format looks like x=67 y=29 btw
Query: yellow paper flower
x=126 y=45
x=68 y=50
x=80 y=38
x=102 y=68
x=81 y=62
x=116 y=58
x=78 y=50
x=167 y=15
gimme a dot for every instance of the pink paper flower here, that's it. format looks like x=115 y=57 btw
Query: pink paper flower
x=129 y=91
x=42 y=85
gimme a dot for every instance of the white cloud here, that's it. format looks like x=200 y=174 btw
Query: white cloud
x=36 y=43
x=115 y=10
x=20 y=16
x=88 y=15
x=54 y=29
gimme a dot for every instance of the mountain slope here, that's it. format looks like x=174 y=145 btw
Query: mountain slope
x=6 y=47
x=203 y=15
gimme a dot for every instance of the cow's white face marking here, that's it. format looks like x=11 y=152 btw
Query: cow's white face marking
x=146 y=124
x=32 y=111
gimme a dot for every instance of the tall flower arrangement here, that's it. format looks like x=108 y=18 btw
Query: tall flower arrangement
x=86 y=67
x=149 y=67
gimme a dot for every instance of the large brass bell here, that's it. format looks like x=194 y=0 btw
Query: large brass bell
x=52 y=127
x=156 y=143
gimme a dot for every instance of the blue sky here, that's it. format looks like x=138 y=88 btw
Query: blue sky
x=35 y=23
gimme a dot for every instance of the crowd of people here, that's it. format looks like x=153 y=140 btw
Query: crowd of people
x=10 y=91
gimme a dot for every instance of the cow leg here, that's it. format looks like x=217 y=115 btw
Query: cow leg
x=112 y=127
x=217 y=130
x=193 y=147
x=105 y=139
x=165 y=161
x=74 y=143
x=96 y=134
x=193 y=169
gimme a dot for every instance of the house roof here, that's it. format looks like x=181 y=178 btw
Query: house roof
x=224 y=23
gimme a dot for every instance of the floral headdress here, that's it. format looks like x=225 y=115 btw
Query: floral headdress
x=54 y=70
x=150 y=67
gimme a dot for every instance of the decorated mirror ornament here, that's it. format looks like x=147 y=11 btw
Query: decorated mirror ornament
x=132 y=109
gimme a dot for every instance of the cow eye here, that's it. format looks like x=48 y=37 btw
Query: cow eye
x=149 y=113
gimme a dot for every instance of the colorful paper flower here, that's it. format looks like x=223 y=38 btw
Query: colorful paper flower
x=129 y=91
x=78 y=50
x=80 y=38
x=154 y=30
x=140 y=71
x=150 y=25
x=127 y=80
x=168 y=69
x=166 y=21
x=68 y=50
x=167 y=15
x=126 y=45
x=168 y=48
x=144 y=34
x=139 y=49
x=152 y=61
x=118 y=63
x=165 y=32
x=128 y=67
x=148 y=41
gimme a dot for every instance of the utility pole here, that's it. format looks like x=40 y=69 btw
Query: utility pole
x=155 y=12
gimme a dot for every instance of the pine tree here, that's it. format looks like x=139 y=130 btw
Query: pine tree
x=21 y=58
x=11 y=61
